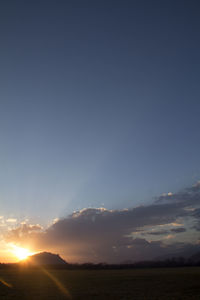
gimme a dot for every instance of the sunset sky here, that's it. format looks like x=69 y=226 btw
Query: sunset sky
x=99 y=128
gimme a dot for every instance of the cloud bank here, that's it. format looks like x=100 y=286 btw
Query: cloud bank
x=170 y=225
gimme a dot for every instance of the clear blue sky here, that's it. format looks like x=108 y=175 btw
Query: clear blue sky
x=99 y=103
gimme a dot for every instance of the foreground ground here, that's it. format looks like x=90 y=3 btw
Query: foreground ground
x=169 y=284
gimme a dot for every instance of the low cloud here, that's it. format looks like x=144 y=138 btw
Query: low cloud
x=158 y=232
x=178 y=230
x=98 y=234
x=25 y=234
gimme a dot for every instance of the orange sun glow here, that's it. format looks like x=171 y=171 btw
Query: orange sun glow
x=20 y=253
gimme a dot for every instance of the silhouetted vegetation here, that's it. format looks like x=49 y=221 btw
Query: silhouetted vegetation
x=62 y=265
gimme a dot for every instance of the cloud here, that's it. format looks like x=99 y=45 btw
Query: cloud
x=25 y=233
x=178 y=230
x=11 y=220
x=158 y=232
x=99 y=234
x=196 y=226
x=188 y=198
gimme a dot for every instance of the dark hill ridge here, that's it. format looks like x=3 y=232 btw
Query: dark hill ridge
x=50 y=259
x=45 y=258
x=196 y=257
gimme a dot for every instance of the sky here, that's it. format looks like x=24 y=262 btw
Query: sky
x=99 y=114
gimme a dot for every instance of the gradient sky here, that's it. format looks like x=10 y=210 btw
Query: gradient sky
x=99 y=104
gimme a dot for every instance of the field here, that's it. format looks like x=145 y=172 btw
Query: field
x=169 y=284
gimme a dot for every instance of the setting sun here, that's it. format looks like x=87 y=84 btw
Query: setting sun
x=20 y=253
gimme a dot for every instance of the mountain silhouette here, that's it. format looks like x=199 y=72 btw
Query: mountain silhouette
x=44 y=258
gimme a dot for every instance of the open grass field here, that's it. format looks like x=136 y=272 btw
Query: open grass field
x=169 y=284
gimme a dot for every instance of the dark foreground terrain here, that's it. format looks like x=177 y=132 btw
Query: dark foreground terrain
x=165 y=283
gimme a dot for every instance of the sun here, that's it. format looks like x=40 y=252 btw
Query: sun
x=20 y=253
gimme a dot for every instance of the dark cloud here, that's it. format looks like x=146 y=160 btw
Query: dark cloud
x=196 y=213
x=189 y=197
x=158 y=232
x=196 y=226
x=194 y=189
x=178 y=230
x=111 y=235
